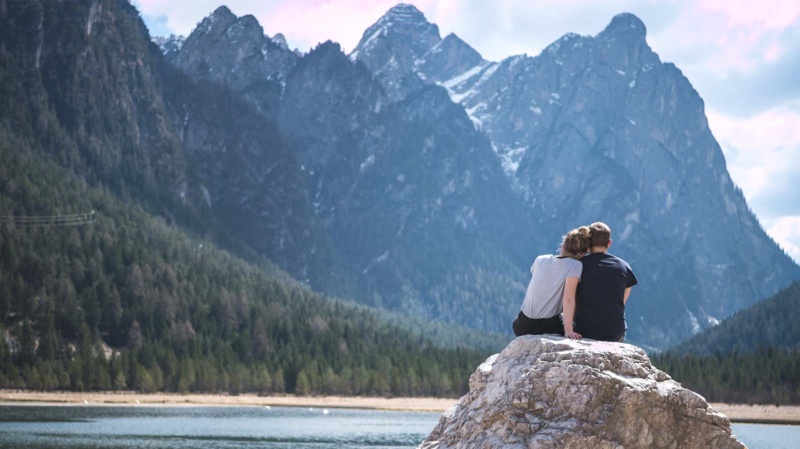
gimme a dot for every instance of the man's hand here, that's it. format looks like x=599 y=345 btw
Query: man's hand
x=573 y=335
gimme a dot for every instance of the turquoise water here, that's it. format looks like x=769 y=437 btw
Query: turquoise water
x=763 y=436
x=82 y=427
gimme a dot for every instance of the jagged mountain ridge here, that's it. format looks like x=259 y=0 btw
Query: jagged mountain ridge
x=599 y=128
x=373 y=201
x=92 y=119
x=110 y=109
x=575 y=134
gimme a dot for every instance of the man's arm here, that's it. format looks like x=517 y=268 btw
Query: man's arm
x=625 y=296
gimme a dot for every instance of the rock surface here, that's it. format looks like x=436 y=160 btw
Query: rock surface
x=548 y=392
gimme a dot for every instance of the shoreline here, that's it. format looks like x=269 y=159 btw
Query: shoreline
x=132 y=398
x=737 y=413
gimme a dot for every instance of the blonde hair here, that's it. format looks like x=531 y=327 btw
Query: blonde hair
x=576 y=242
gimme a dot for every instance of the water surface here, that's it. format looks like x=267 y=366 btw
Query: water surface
x=146 y=427
x=33 y=427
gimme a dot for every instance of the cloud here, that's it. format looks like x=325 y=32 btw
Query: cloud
x=763 y=157
x=786 y=231
x=178 y=16
x=747 y=93
x=756 y=16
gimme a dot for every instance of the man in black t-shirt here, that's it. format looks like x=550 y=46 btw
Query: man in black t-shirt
x=605 y=284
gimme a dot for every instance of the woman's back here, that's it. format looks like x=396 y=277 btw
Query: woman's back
x=546 y=288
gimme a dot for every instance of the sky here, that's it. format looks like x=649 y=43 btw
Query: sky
x=743 y=58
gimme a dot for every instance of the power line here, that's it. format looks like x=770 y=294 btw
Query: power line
x=50 y=220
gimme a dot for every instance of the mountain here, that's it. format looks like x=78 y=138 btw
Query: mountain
x=594 y=128
x=235 y=50
x=125 y=187
x=769 y=323
x=400 y=187
x=373 y=199
x=405 y=52
x=412 y=174
x=598 y=128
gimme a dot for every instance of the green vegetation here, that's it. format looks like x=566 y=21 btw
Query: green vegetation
x=772 y=322
x=752 y=357
x=763 y=376
x=143 y=298
x=177 y=314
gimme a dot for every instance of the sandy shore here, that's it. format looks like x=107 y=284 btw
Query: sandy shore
x=12 y=397
x=760 y=414
x=736 y=412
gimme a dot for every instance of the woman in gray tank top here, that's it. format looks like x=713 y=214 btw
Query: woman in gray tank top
x=552 y=289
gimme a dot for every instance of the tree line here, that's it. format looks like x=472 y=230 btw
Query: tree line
x=131 y=302
x=767 y=375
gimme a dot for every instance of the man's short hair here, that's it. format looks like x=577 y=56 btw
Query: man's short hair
x=601 y=234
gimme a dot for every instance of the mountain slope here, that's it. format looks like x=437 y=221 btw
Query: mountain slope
x=107 y=106
x=129 y=302
x=772 y=322
x=435 y=204
x=598 y=128
x=362 y=177
x=371 y=165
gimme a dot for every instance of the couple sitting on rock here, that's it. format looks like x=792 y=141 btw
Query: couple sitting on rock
x=591 y=289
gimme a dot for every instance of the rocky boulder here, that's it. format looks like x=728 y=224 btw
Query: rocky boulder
x=547 y=392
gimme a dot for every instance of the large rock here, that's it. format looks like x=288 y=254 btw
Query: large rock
x=550 y=392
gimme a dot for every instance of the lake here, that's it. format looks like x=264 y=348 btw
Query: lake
x=88 y=427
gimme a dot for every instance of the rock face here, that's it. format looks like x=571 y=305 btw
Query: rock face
x=551 y=392
x=432 y=177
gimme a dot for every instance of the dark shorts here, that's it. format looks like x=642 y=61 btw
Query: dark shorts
x=523 y=325
x=619 y=339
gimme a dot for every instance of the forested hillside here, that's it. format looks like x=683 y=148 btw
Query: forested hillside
x=130 y=302
x=754 y=356
x=762 y=376
x=113 y=212
x=773 y=322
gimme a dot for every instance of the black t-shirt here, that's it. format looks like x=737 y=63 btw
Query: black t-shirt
x=599 y=305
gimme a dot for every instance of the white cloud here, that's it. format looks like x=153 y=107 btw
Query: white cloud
x=763 y=157
x=786 y=231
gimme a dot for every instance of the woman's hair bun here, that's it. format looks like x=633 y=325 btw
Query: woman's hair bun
x=577 y=241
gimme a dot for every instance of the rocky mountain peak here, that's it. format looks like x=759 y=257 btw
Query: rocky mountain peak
x=394 y=46
x=247 y=29
x=403 y=24
x=234 y=50
x=404 y=12
x=447 y=59
x=221 y=12
x=280 y=40
x=626 y=26
x=325 y=54
x=217 y=22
